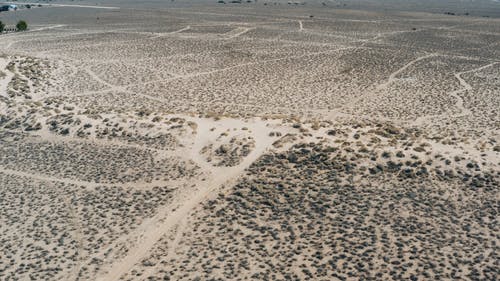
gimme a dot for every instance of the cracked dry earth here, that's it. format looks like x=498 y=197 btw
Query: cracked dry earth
x=249 y=144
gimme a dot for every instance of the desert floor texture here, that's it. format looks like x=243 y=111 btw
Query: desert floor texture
x=252 y=141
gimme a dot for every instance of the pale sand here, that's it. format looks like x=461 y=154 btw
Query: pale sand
x=240 y=146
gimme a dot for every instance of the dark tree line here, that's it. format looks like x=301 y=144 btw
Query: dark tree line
x=20 y=26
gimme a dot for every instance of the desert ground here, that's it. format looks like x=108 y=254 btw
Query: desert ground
x=262 y=140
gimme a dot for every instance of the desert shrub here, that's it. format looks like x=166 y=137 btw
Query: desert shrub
x=21 y=25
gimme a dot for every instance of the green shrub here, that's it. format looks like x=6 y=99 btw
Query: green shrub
x=21 y=26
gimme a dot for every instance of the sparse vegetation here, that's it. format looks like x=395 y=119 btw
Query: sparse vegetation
x=248 y=142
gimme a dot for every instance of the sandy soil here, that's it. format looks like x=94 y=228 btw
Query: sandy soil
x=248 y=142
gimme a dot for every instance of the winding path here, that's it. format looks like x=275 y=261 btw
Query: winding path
x=463 y=111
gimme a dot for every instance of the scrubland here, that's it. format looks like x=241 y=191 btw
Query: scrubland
x=249 y=142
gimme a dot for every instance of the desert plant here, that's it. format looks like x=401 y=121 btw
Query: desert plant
x=21 y=26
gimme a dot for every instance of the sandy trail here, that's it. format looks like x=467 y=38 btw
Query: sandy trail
x=172 y=245
x=466 y=87
x=4 y=81
x=87 y=184
x=463 y=111
x=164 y=222
x=42 y=177
x=392 y=76
x=45 y=135
x=100 y=80
x=192 y=75
x=464 y=83
x=77 y=236
x=178 y=237
x=48 y=27
x=159 y=35
x=238 y=32
x=9 y=44
x=125 y=89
